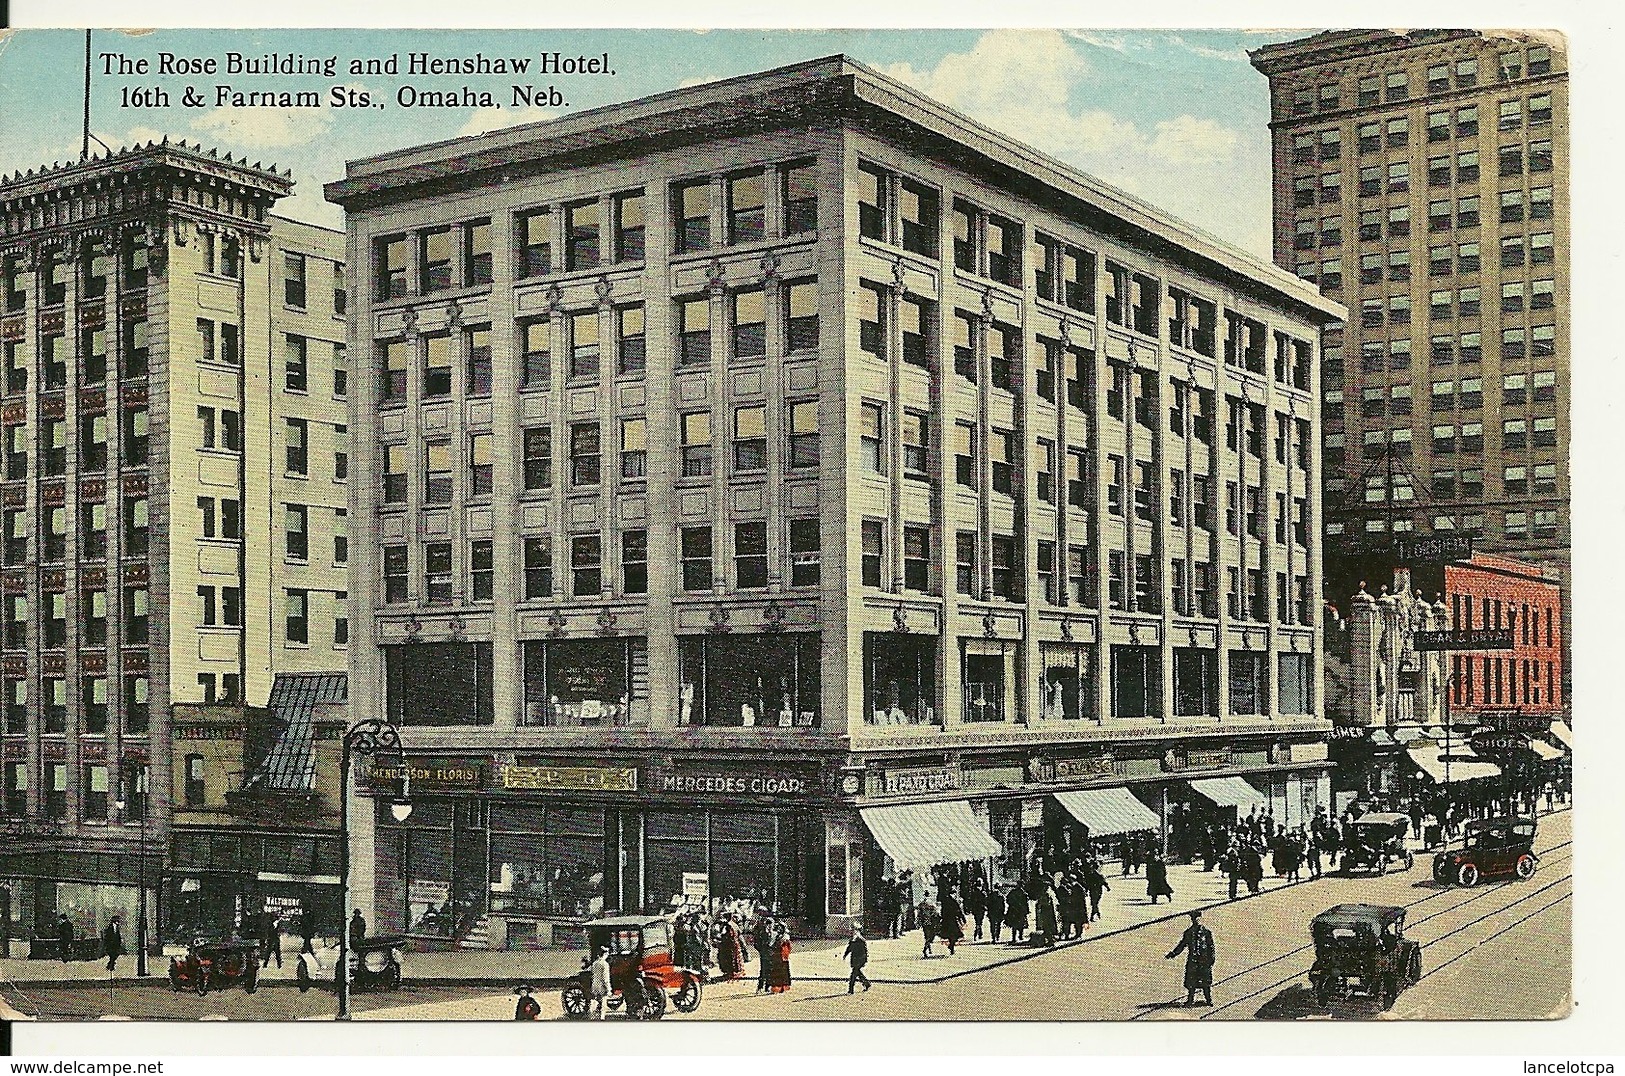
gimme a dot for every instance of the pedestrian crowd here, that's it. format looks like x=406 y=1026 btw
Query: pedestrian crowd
x=728 y=941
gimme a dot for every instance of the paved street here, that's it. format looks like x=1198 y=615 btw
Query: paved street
x=1498 y=951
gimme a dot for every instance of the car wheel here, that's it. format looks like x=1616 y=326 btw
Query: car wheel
x=654 y=1005
x=1525 y=866
x=575 y=1001
x=687 y=997
x=1467 y=875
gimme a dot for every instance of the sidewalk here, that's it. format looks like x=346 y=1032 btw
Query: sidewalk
x=1125 y=907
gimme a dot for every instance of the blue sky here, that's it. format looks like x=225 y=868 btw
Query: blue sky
x=1177 y=117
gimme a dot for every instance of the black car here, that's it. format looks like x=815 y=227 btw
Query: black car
x=1494 y=848
x=1361 y=950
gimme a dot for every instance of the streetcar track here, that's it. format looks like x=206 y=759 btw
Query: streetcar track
x=1545 y=856
x=1522 y=919
x=1433 y=941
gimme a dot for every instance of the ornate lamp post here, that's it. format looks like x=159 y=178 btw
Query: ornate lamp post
x=366 y=737
x=141 y=879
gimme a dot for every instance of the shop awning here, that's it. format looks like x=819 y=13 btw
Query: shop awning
x=1381 y=738
x=1405 y=733
x=1231 y=792
x=1546 y=751
x=1461 y=767
x=919 y=836
x=1108 y=811
x=1563 y=734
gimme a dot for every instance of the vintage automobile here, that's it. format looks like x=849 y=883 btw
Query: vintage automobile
x=641 y=970
x=214 y=965
x=1361 y=950
x=1373 y=841
x=1493 y=848
x=375 y=962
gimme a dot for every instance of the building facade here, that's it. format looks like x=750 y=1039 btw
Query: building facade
x=173 y=491
x=783 y=483
x=1421 y=179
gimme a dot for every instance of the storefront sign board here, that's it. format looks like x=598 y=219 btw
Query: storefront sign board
x=423 y=773
x=909 y=782
x=1067 y=769
x=715 y=783
x=571 y=778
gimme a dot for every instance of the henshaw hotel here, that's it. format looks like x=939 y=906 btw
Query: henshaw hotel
x=777 y=484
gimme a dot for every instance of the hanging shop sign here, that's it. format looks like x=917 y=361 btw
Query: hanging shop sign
x=1492 y=742
x=1070 y=769
x=1197 y=760
x=913 y=781
x=422 y=774
x=570 y=778
x=717 y=782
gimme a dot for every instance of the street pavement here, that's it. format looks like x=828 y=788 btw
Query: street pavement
x=1499 y=951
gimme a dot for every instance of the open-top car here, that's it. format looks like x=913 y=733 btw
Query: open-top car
x=1361 y=949
x=214 y=964
x=1373 y=841
x=1493 y=848
x=641 y=970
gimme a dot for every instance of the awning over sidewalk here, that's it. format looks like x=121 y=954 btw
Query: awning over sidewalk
x=1546 y=751
x=1108 y=811
x=1563 y=734
x=1231 y=792
x=919 y=836
x=1463 y=766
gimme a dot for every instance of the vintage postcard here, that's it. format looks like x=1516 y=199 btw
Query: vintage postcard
x=819 y=526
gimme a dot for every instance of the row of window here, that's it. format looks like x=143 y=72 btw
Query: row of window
x=1395 y=86
x=1440 y=219
x=94 y=713
x=94 y=796
x=1448 y=439
x=1518 y=524
x=1494 y=673
x=1467 y=395
x=52 y=358
x=95 y=265
x=91 y=617
x=92 y=515
x=1376 y=180
x=598 y=231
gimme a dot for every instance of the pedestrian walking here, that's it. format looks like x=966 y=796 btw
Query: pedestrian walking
x=1312 y=851
x=307 y=932
x=778 y=980
x=762 y=942
x=996 y=910
x=730 y=949
x=599 y=976
x=930 y=921
x=64 y=937
x=1156 y=878
x=1230 y=863
x=857 y=955
x=1015 y=914
x=952 y=930
x=358 y=929
x=1094 y=880
x=112 y=943
x=1046 y=914
x=270 y=939
x=976 y=903
x=1200 y=954
x=526 y=1007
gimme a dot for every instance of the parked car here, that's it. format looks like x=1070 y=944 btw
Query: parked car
x=1493 y=848
x=1361 y=950
x=1373 y=841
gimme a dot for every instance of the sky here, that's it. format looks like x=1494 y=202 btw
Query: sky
x=1177 y=117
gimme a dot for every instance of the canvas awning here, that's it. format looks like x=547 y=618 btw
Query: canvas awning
x=1381 y=738
x=1463 y=766
x=919 y=836
x=1546 y=751
x=1108 y=811
x=1231 y=792
x=1563 y=734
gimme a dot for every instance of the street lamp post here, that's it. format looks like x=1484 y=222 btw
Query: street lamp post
x=366 y=737
x=141 y=882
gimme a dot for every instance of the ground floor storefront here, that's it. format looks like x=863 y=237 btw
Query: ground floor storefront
x=89 y=886
x=514 y=851
x=221 y=880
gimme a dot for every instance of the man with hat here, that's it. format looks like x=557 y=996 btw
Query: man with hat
x=526 y=1008
x=1197 y=945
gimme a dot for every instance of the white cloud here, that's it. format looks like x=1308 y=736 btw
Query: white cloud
x=265 y=128
x=494 y=119
x=1024 y=83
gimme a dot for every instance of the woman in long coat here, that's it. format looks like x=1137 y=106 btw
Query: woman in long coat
x=1156 y=878
x=976 y=903
x=778 y=973
x=1015 y=913
x=953 y=921
x=730 y=949
x=1046 y=914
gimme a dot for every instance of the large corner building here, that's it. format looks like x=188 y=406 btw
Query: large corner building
x=173 y=501
x=1421 y=179
x=777 y=484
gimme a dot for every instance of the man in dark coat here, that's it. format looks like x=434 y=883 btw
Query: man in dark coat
x=64 y=937
x=1156 y=878
x=996 y=909
x=1017 y=905
x=270 y=939
x=1094 y=880
x=953 y=920
x=1253 y=862
x=857 y=954
x=358 y=929
x=1197 y=945
x=307 y=931
x=976 y=903
x=112 y=943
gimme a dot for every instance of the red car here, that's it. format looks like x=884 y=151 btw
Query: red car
x=1494 y=848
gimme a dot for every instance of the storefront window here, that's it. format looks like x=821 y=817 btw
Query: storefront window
x=572 y=682
x=1067 y=682
x=747 y=680
x=984 y=672
x=899 y=679
x=547 y=860
x=1136 y=681
x=742 y=858
x=439 y=683
x=1247 y=682
x=1196 y=682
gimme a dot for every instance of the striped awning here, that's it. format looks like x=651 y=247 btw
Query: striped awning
x=1563 y=734
x=1108 y=811
x=1546 y=751
x=1231 y=792
x=1462 y=766
x=919 y=836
